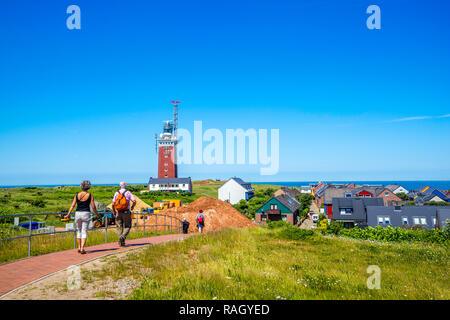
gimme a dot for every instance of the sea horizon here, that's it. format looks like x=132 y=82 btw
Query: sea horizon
x=408 y=184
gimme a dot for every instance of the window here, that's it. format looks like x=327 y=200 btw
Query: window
x=166 y=164
x=434 y=221
x=273 y=206
x=386 y=194
x=348 y=195
x=166 y=155
x=165 y=169
x=346 y=211
x=420 y=220
x=380 y=220
x=405 y=220
x=384 y=220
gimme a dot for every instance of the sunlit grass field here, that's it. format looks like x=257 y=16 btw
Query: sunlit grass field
x=258 y=264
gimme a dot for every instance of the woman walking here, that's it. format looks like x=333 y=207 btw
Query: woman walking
x=83 y=214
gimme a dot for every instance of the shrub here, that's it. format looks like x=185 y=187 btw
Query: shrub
x=278 y=224
x=293 y=233
x=334 y=227
x=322 y=225
x=390 y=234
x=38 y=203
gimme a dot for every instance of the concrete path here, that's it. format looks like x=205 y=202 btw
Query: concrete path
x=17 y=273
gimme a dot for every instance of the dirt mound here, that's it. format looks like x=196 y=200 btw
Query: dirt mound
x=140 y=205
x=218 y=214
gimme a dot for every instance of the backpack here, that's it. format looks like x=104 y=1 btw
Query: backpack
x=121 y=203
x=200 y=219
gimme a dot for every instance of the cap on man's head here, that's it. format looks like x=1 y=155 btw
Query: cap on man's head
x=200 y=211
x=123 y=184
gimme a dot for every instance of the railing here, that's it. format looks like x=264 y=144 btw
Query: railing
x=168 y=224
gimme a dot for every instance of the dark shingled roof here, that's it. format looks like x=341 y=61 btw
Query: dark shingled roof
x=244 y=184
x=290 y=202
x=357 y=204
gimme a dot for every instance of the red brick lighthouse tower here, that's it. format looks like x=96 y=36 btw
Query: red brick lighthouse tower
x=167 y=147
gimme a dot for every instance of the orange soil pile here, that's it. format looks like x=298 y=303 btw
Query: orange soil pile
x=218 y=214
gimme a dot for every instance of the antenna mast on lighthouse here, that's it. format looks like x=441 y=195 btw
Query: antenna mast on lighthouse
x=175 y=117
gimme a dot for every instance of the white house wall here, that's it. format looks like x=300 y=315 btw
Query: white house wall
x=231 y=191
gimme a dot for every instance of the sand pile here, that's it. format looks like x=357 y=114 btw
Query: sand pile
x=139 y=204
x=218 y=214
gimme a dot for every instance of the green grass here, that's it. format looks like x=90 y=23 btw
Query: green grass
x=260 y=264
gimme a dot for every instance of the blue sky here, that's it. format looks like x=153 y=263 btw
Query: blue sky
x=351 y=103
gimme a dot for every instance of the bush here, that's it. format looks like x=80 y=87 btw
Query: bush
x=278 y=224
x=334 y=227
x=293 y=233
x=390 y=234
x=38 y=203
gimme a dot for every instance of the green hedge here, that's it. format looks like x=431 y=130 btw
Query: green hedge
x=390 y=234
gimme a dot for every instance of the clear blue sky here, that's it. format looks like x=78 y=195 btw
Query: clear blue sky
x=86 y=103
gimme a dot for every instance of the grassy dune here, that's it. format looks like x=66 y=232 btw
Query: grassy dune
x=258 y=264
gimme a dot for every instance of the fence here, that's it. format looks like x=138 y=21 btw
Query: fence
x=166 y=224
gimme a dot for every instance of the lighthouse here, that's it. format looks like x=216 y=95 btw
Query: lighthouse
x=167 y=144
x=166 y=147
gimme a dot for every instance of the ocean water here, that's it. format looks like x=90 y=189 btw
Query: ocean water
x=409 y=185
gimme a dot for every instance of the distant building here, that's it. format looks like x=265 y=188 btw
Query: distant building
x=389 y=198
x=395 y=188
x=170 y=184
x=306 y=189
x=284 y=207
x=425 y=194
x=428 y=217
x=285 y=190
x=235 y=190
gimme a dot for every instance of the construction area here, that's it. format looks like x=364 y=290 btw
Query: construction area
x=218 y=215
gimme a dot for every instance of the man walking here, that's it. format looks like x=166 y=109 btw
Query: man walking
x=123 y=204
x=200 y=221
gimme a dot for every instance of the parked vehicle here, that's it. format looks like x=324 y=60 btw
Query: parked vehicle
x=100 y=222
x=315 y=217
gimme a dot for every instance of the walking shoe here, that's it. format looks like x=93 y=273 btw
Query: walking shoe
x=123 y=242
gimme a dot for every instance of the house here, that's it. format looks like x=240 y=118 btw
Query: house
x=426 y=194
x=283 y=207
x=352 y=211
x=407 y=216
x=235 y=190
x=389 y=197
x=306 y=189
x=362 y=192
x=396 y=188
x=329 y=195
x=285 y=190
x=170 y=184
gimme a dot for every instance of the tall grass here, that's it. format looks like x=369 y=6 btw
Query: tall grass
x=260 y=264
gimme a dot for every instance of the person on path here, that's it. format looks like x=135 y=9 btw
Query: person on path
x=123 y=205
x=185 y=224
x=84 y=201
x=200 y=221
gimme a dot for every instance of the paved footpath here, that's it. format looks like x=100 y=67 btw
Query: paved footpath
x=17 y=273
